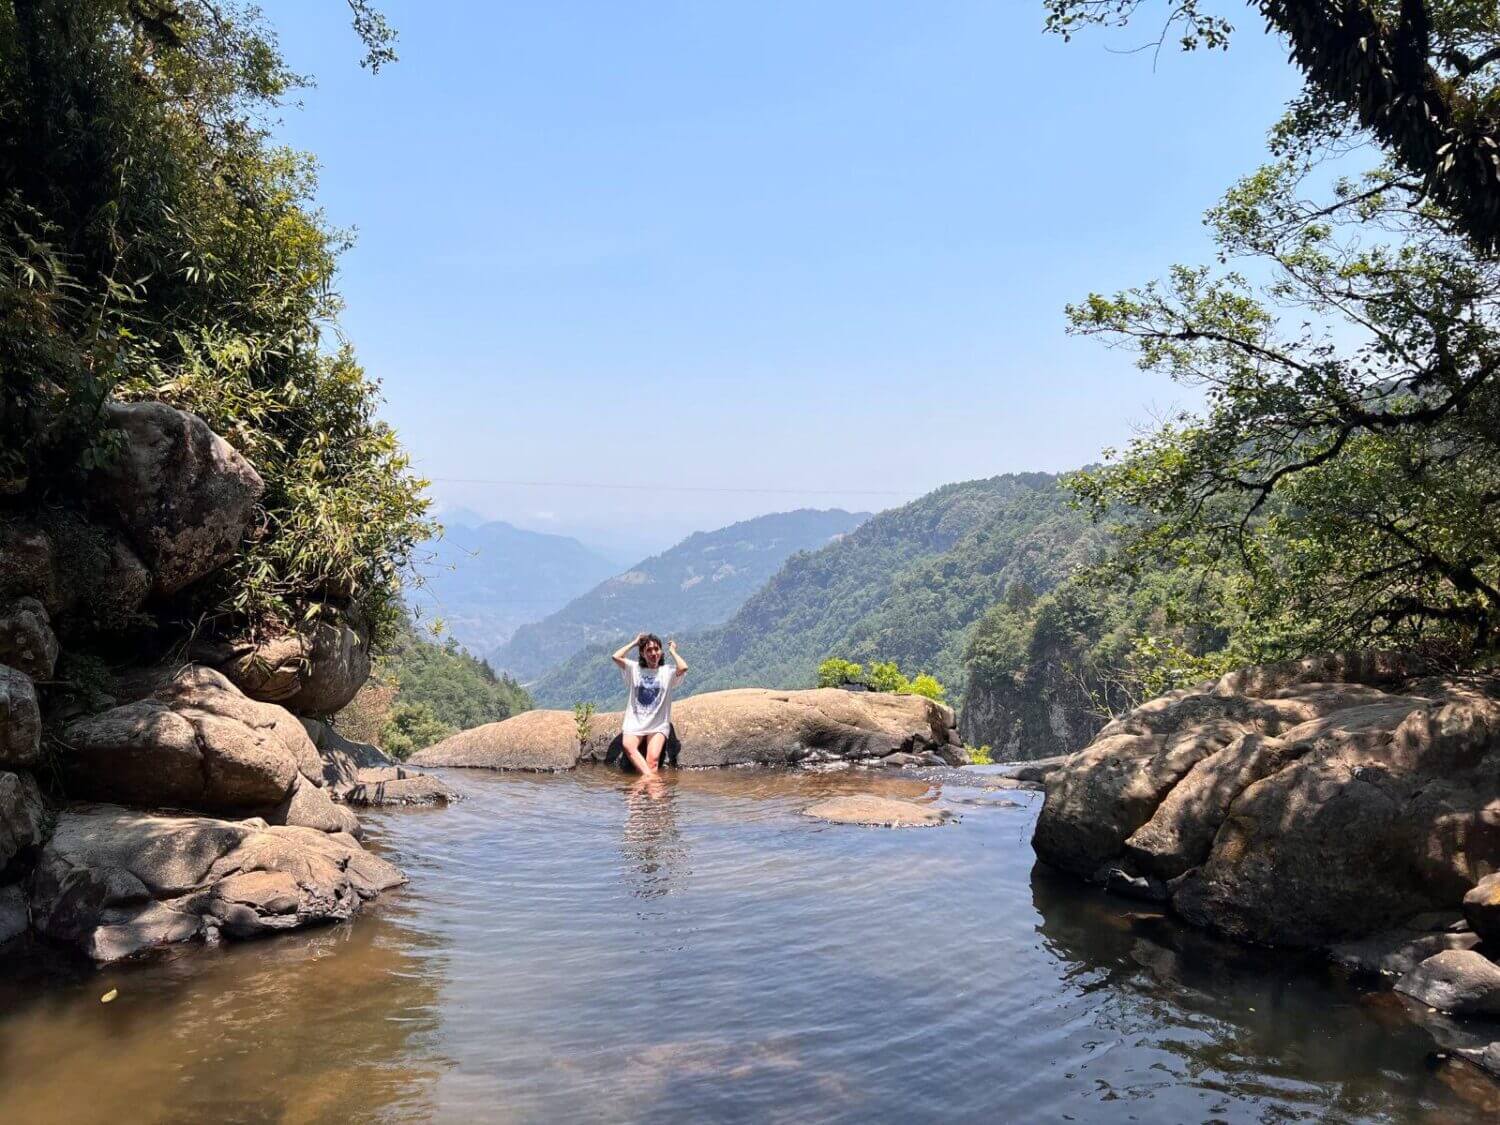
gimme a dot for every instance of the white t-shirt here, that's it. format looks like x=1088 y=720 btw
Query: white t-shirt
x=648 y=710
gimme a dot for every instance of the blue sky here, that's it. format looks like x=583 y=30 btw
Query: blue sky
x=821 y=247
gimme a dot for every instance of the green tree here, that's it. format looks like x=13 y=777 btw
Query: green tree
x=155 y=243
x=1343 y=480
x=925 y=685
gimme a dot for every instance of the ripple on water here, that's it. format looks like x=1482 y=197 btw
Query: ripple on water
x=577 y=947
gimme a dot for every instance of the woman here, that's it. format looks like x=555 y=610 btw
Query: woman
x=648 y=710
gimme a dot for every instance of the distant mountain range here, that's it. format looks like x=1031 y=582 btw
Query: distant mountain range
x=696 y=584
x=485 y=580
x=906 y=585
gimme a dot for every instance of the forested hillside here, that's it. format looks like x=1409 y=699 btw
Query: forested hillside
x=905 y=586
x=485 y=579
x=423 y=689
x=696 y=584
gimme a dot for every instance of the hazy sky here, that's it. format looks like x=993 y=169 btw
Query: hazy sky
x=821 y=247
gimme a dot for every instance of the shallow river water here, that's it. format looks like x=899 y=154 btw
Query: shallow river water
x=573 y=949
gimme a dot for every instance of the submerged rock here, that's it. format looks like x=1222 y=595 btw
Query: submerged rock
x=1297 y=804
x=395 y=785
x=1397 y=952
x=113 y=882
x=748 y=726
x=879 y=812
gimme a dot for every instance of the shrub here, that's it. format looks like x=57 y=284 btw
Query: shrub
x=835 y=672
x=410 y=727
x=885 y=676
x=927 y=686
x=583 y=716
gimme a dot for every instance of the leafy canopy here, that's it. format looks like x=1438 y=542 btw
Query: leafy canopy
x=155 y=243
x=1343 y=473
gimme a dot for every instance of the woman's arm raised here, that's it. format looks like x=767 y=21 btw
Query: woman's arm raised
x=677 y=658
x=619 y=655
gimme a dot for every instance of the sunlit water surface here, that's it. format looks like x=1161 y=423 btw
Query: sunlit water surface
x=571 y=949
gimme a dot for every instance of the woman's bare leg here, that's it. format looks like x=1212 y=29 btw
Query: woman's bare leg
x=655 y=743
x=633 y=748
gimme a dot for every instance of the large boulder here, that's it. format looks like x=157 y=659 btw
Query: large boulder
x=1298 y=804
x=197 y=742
x=23 y=816
x=1482 y=909
x=721 y=728
x=532 y=740
x=20 y=720
x=178 y=491
x=314 y=671
x=27 y=643
x=754 y=725
x=113 y=882
x=85 y=577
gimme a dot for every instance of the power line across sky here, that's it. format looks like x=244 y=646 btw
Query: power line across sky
x=616 y=485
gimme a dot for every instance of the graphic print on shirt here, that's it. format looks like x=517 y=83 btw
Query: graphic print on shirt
x=646 y=692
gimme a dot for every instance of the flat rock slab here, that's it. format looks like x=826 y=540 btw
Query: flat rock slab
x=877 y=812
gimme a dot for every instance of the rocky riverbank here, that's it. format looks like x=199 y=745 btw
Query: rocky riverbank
x=196 y=794
x=190 y=800
x=1342 y=802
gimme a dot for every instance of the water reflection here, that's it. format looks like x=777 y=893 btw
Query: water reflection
x=653 y=846
x=1253 y=1023
x=793 y=970
x=331 y=1025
